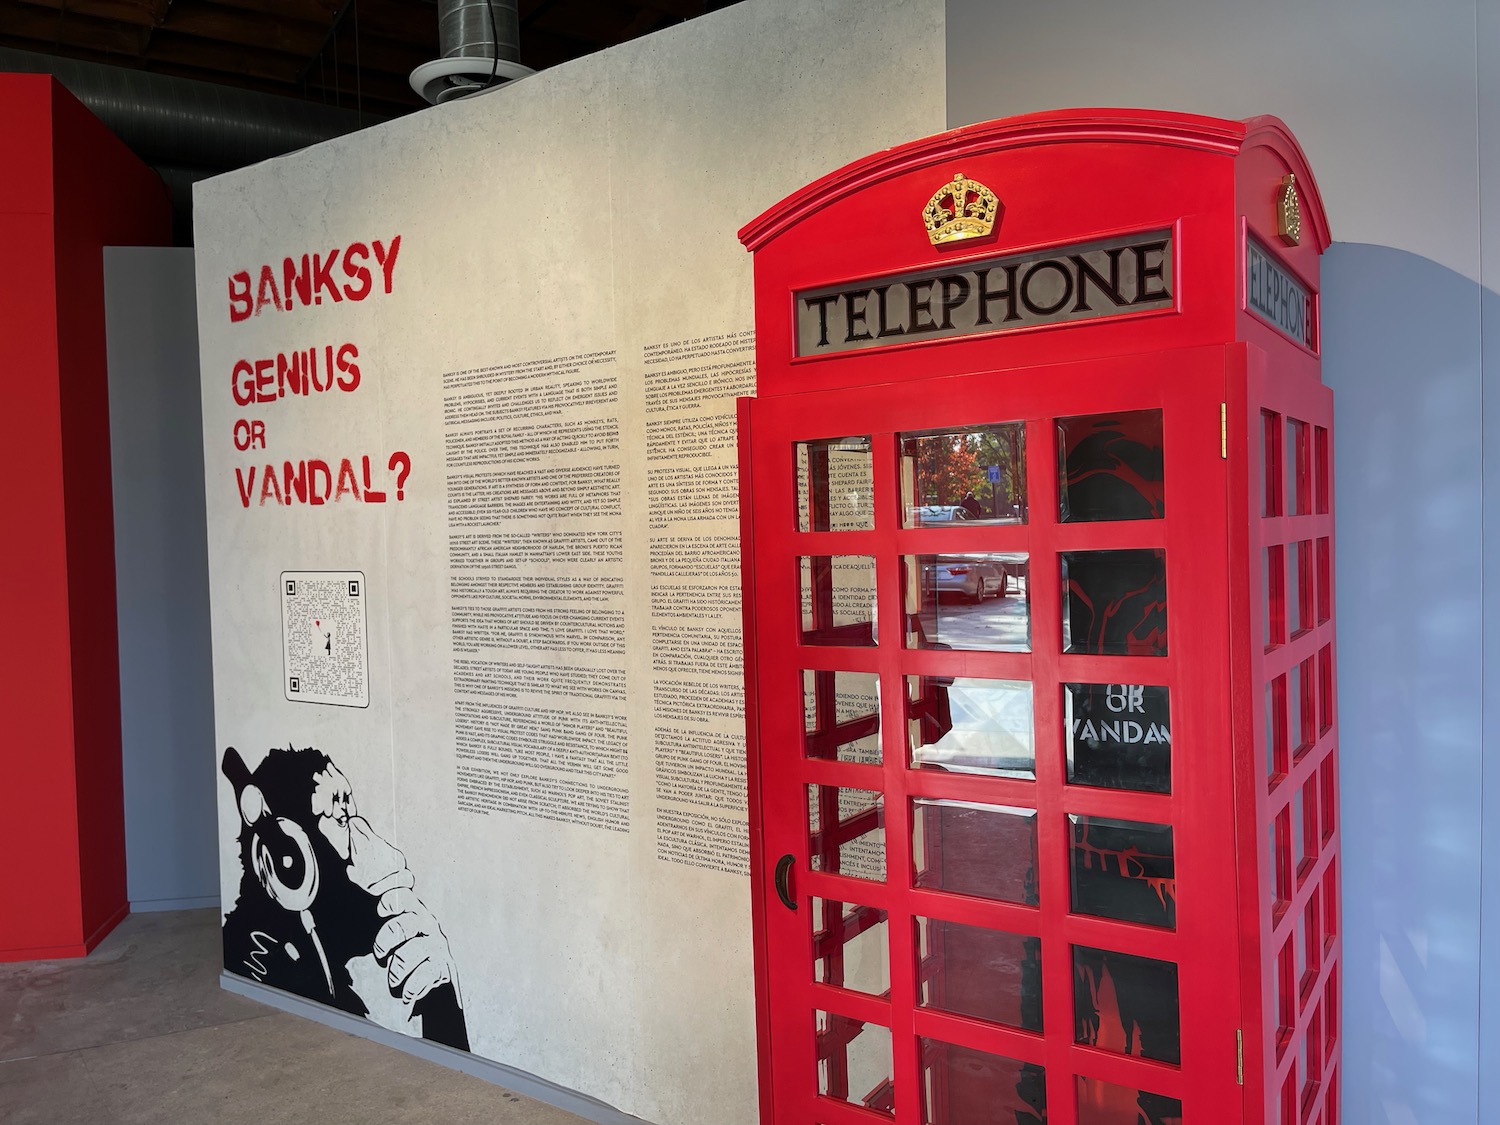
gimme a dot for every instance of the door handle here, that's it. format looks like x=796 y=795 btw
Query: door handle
x=783 y=880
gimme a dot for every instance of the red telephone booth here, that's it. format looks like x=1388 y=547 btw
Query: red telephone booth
x=1038 y=558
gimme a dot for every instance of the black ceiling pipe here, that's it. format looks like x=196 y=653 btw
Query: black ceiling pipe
x=177 y=121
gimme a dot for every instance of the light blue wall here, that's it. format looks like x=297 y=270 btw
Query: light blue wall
x=1487 y=38
x=161 y=579
x=1385 y=97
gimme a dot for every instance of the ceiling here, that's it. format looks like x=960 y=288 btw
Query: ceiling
x=351 y=53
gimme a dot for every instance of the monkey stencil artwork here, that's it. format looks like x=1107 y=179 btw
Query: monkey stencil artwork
x=328 y=909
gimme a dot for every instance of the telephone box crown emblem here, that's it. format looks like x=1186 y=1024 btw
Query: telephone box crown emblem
x=1289 y=212
x=961 y=208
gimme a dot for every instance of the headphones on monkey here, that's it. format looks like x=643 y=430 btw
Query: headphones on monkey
x=281 y=855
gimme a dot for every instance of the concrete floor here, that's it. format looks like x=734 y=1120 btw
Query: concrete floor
x=140 y=1031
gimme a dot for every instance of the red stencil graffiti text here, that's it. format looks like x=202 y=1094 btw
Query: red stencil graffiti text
x=314 y=481
x=342 y=274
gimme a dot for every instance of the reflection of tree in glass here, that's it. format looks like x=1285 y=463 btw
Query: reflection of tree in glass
x=1003 y=447
x=949 y=465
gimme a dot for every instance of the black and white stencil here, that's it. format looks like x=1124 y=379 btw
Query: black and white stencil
x=327 y=908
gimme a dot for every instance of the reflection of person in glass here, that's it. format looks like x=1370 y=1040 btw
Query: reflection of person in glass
x=327 y=908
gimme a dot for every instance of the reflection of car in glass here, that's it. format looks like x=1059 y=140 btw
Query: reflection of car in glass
x=1012 y=565
x=935 y=513
x=975 y=578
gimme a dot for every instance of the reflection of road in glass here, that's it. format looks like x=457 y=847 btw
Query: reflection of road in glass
x=994 y=625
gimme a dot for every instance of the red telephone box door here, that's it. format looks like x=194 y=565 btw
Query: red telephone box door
x=990 y=637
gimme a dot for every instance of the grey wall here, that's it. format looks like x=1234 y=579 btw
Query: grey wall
x=161 y=570
x=1385 y=97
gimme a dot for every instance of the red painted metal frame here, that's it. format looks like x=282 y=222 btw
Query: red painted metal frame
x=1281 y=897
x=1063 y=177
x=1196 y=670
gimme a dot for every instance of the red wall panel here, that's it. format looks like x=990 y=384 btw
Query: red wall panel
x=72 y=188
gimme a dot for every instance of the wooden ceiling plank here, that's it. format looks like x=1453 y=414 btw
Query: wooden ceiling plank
x=320 y=12
x=682 y=9
x=378 y=55
x=269 y=65
x=50 y=31
x=140 y=13
x=386 y=88
x=604 y=22
x=402 y=21
x=646 y=21
x=227 y=25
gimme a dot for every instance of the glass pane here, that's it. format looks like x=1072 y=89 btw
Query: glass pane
x=1324 y=584
x=955 y=478
x=988 y=974
x=1329 y=796
x=1119 y=736
x=1124 y=869
x=1271 y=463
x=1297 y=617
x=1126 y=1004
x=1305 y=822
x=838 y=600
x=966 y=601
x=1299 y=942
x=1312 y=1048
x=1301 y=705
x=1274 y=589
x=1331 y=900
x=1331 y=1007
x=1111 y=467
x=854 y=1062
x=969 y=725
x=1320 y=468
x=1325 y=687
x=1281 y=842
x=841 y=716
x=1312 y=920
x=1273 y=856
x=962 y=1086
x=846 y=830
x=850 y=947
x=1276 y=755
x=1294 y=709
x=1103 y=1103
x=1286 y=995
x=984 y=850
x=1115 y=602
x=1296 y=468
x=835 y=485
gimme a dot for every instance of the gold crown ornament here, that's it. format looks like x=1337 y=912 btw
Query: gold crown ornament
x=1289 y=212
x=961 y=208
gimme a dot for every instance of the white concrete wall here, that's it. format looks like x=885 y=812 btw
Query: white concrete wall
x=591 y=208
x=1385 y=98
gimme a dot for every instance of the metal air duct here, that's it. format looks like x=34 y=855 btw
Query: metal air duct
x=480 y=41
x=188 y=124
